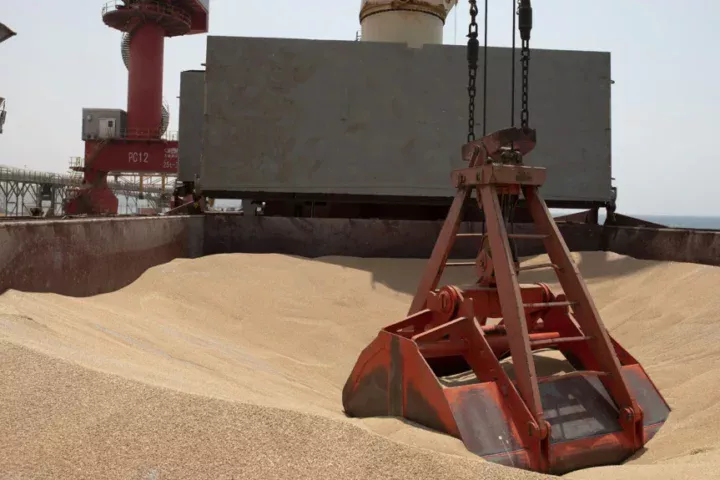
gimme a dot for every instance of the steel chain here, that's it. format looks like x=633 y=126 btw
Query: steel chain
x=525 y=61
x=473 y=48
x=525 y=26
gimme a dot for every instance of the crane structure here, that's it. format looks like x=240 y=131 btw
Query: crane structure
x=135 y=141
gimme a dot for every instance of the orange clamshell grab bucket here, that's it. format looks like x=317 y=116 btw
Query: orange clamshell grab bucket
x=465 y=361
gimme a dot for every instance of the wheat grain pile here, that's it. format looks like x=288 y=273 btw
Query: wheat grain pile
x=231 y=366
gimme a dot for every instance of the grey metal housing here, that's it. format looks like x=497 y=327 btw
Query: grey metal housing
x=94 y=117
x=382 y=119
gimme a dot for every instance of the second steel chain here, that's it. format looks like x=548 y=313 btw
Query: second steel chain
x=473 y=48
x=525 y=26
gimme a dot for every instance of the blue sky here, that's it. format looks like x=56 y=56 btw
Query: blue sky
x=664 y=62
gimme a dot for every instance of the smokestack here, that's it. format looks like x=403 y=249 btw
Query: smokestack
x=415 y=22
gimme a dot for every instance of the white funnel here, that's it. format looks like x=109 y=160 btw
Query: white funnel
x=415 y=22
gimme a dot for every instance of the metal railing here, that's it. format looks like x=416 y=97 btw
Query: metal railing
x=144 y=134
x=55 y=179
x=34 y=176
x=149 y=133
x=149 y=7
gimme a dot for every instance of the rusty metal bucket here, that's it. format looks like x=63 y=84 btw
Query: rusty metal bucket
x=428 y=383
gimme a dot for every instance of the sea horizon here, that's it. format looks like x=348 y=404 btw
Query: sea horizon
x=676 y=221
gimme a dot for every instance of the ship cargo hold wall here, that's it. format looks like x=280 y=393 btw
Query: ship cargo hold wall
x=82 y=257
x=381 y=119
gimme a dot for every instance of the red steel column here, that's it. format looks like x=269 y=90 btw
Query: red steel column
x=145 y=79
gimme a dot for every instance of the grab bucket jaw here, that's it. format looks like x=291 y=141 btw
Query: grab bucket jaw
x=393 y=378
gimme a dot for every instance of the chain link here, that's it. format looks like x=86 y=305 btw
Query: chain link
x=473 y=48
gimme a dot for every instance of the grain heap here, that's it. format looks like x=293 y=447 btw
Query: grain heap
x=241 y=377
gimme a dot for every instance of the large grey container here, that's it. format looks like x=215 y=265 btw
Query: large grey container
x=381 y=119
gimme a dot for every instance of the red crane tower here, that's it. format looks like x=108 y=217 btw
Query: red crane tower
x=135 y=141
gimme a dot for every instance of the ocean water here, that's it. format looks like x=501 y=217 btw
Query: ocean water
x=676 y=221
